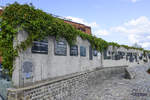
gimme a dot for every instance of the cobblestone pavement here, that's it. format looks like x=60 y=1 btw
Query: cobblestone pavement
x=119 y=88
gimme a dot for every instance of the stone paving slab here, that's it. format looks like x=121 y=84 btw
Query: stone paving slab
x=119 y=88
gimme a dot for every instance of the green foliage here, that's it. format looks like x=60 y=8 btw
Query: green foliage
x=114 y=44
x=125 y=46
x=38 y=25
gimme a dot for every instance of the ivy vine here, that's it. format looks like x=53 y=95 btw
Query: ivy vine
x=37 y=24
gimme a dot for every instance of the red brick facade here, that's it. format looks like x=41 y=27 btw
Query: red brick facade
x=1 y=12
x=84 y=28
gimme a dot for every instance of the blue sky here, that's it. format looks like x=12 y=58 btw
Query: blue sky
x=122 y=21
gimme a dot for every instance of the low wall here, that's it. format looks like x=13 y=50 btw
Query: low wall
x=70 y=87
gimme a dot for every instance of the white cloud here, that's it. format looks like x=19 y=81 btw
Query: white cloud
x=101 y=32
x=148 y=37
x=133 y=38
x=137 y=30
x=134 y=1
x=119 y=29
x=83 y=21
x=97 y=31
x=139 y=21
x=145 y=44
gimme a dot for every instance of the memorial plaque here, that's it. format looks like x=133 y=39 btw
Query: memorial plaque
x=117 y=57
x=27 y=69
x=74 y=50
x=123 y=53
x=82 y=51
x=126 y=57
x=149 y=56
x=131 y=59
x=61 y=47
x=95 y=52
x=109 y=52
x=90 y=53
x=40 y=47
x=105 y=55
x=140 y=57
x=135 y=58
x=120 y=55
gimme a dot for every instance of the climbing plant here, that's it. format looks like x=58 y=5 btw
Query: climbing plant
x=37 y=24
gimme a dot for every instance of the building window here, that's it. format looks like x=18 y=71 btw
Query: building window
x=90 y=53
x=82 y=51
x=82 y=29
x=61 y=47
x=74 y=50
x=40 y=46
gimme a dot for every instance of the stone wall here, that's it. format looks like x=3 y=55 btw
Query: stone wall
x=50 y=65
x=110 y=61
x=70 y=87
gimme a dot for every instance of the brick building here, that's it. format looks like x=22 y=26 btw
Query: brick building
x=79 y=26
x=1 y=11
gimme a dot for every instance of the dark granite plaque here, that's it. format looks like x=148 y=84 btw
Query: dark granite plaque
x=131 y=59
x=105 y=55
x=82 y=51
x=40 y=47
x=149 y=56
x=27 y=69
x=90 y=53
x=74 y=50
x=95 y=52
x=61 y=47
x=117 y=57
x=135 y=58
x=127 y=57
x=140 y=57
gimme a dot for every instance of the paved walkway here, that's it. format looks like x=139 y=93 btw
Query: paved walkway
x=119 y=88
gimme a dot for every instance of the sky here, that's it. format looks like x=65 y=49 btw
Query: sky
x=122 y=21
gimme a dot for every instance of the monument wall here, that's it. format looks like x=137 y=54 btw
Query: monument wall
x=51 y=58
x=114 y=56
